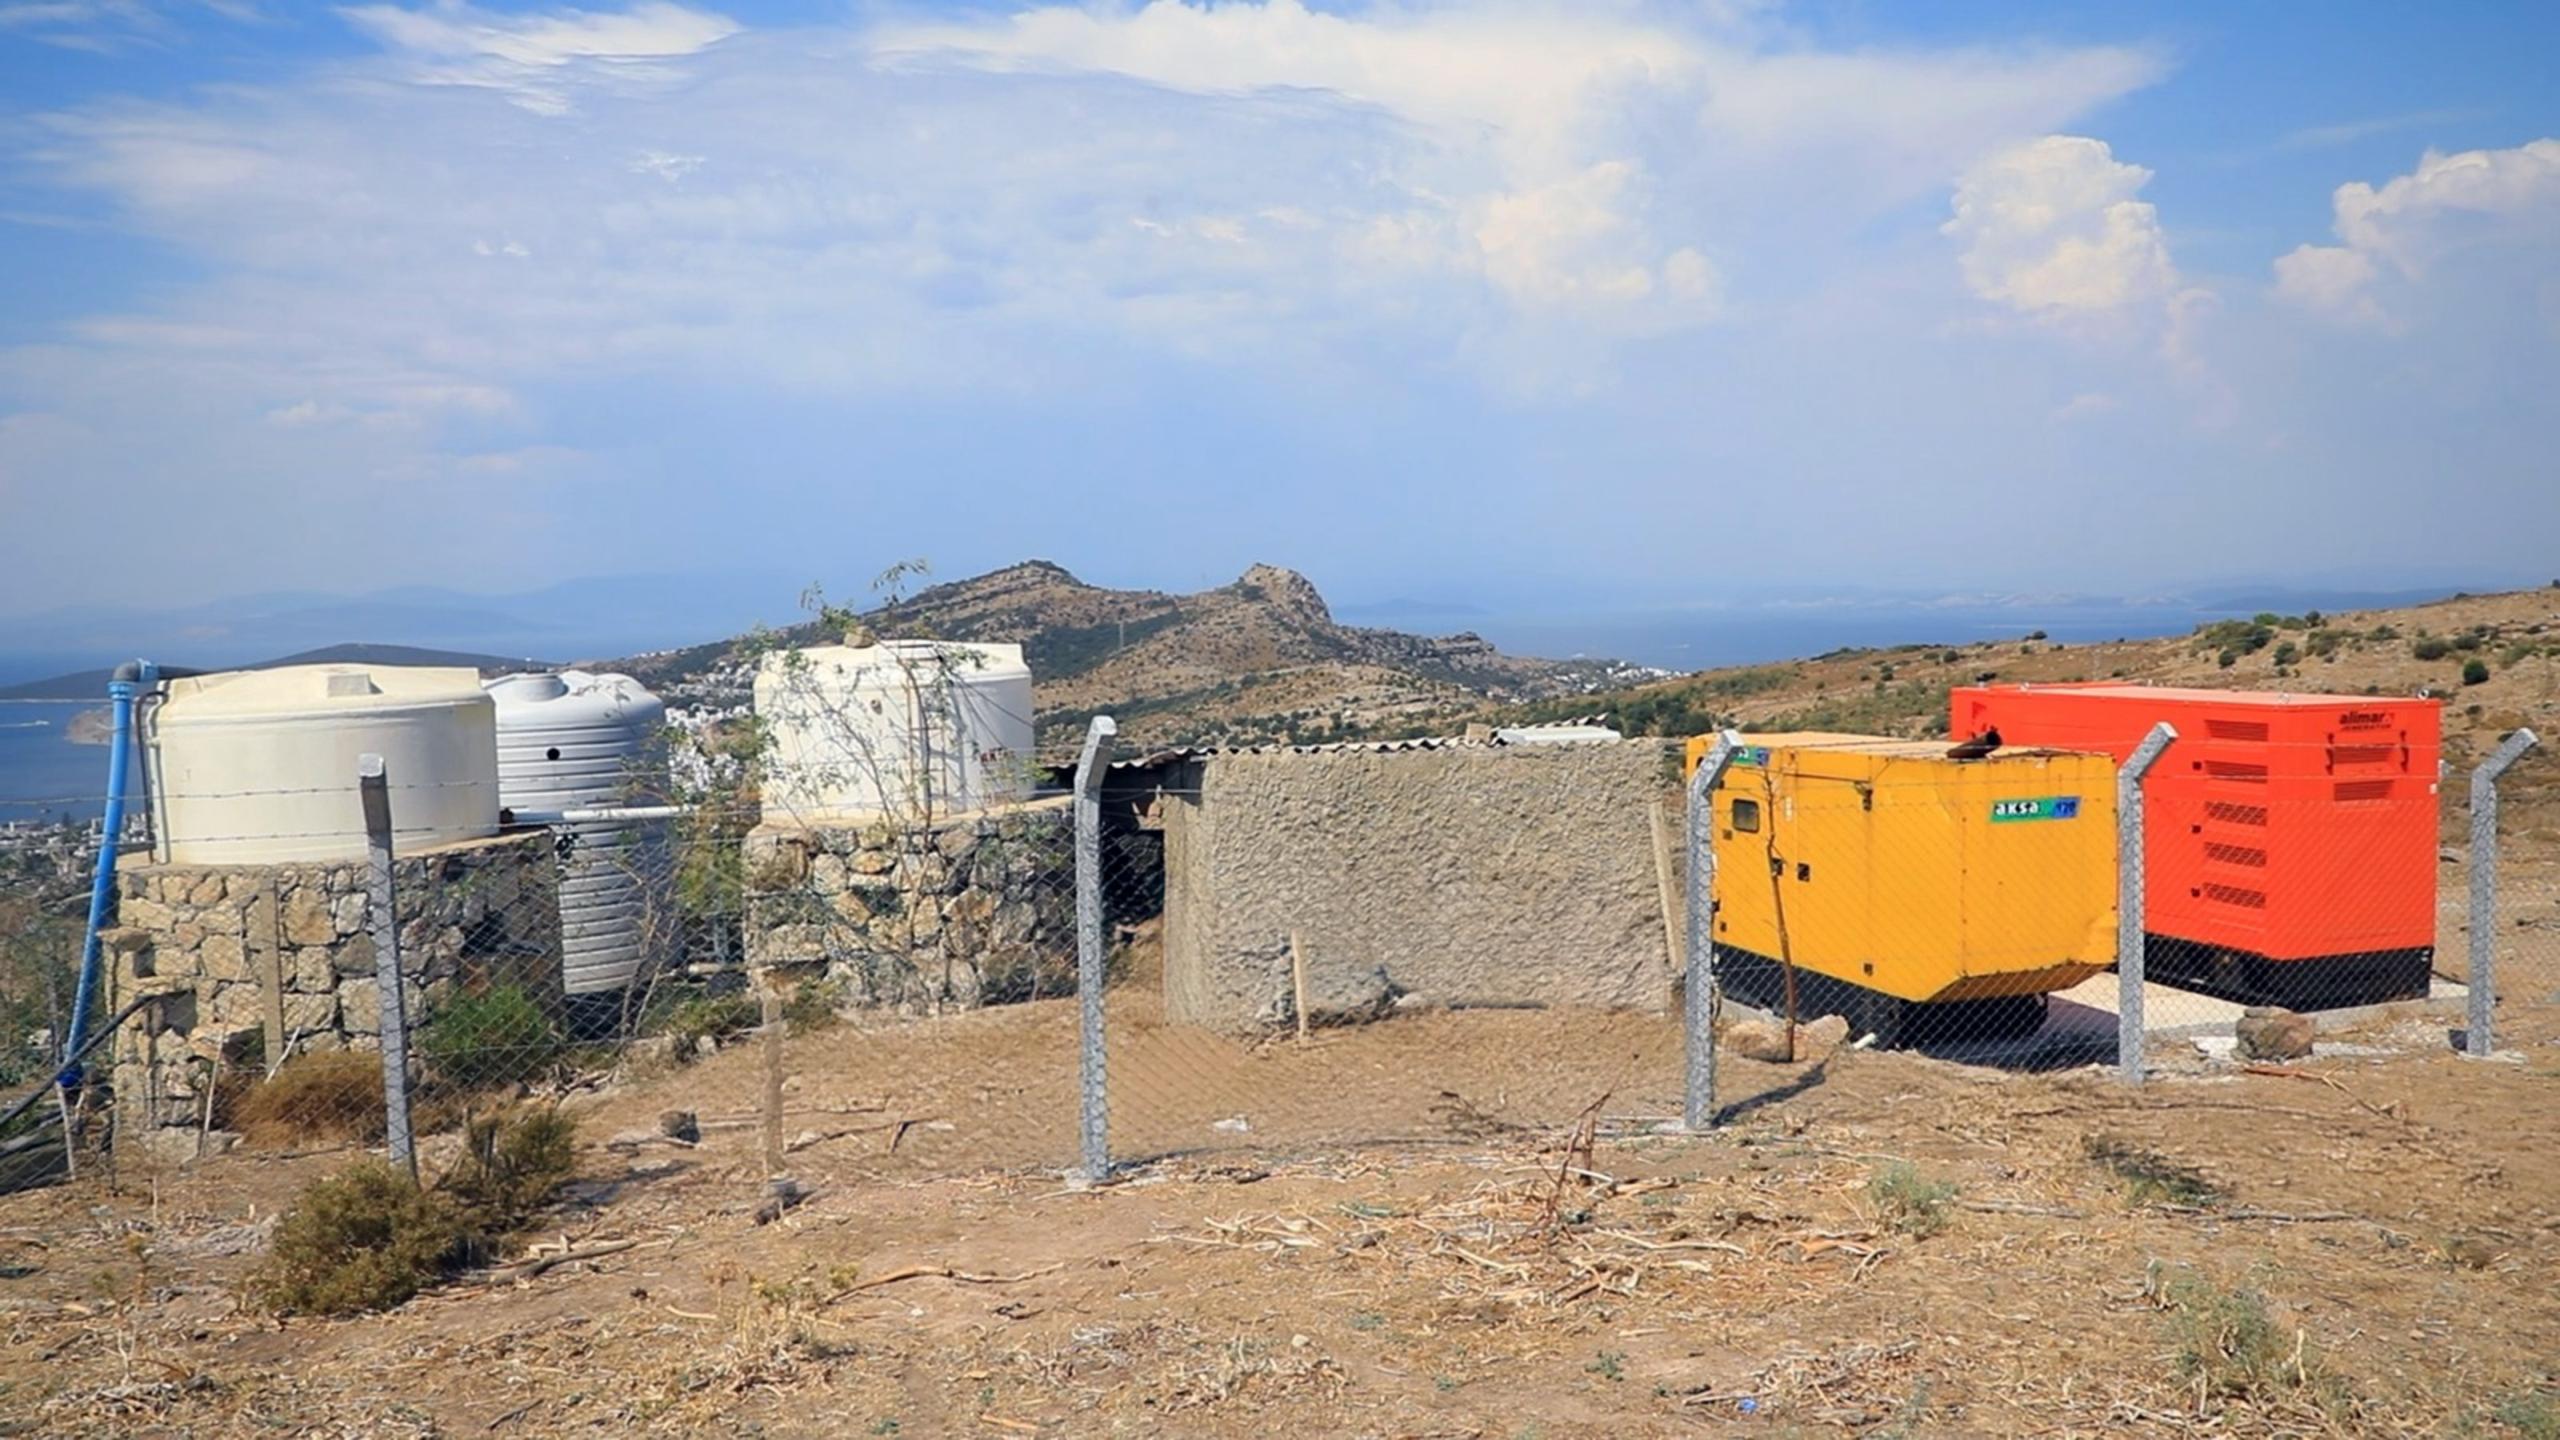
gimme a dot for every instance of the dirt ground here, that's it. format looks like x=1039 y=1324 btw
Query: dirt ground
x=2366 y=1246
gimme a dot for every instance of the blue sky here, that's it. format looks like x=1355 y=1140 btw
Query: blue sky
x=1616 y=302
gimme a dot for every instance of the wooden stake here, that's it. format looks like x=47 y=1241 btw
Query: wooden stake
x=266 y=945
x=1676 y=944
x=773 y=1027
x=1298 y=982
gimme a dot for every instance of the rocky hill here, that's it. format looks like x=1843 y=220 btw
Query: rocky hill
x=1259 y=659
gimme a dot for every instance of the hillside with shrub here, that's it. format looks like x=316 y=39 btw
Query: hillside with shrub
x=2494 y=659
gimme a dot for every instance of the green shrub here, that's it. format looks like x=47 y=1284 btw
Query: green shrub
x=2225 y=1338
x=2535 y=1417
x=716 y=1016
x=496 y=1036
x=370 y=1237
x=2287 y=652
x=366 y=1238
x=2475 y=672
x=2430 y=648
x=2247 y=637
x=1910 y=1202
x=510 y=1167
x=2230 y=1348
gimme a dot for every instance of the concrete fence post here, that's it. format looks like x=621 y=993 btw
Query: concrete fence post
x=1092 y=952
x=2479 y=1037
x=2130 y=881
x=1698 y=982
x=383 y=914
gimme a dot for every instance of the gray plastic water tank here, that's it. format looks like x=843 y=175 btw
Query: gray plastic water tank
x=576 y=740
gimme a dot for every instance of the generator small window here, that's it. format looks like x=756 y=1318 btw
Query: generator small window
x=1746 y=816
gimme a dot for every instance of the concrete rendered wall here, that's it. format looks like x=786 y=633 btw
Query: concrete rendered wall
x=1468 y=874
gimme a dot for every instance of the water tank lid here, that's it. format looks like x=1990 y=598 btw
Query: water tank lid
x=569 y=697
x=290 y=689
x=532 y=685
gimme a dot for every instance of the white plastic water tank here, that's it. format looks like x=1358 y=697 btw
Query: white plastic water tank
x=903 y=728
x=254 y=767
x=576 y=740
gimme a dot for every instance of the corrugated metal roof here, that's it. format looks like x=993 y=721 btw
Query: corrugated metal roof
x=1179 y=754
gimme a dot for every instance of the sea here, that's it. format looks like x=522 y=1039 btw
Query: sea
x=43 y=775
x=1687 y=639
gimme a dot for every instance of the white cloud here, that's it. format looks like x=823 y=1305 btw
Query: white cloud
x=505 y=216
x=665 y=165
x=456 y=43
x=1560 y=229
x=2087 y=405
x=1567 y=246
x=2052 y=228
x=103 y=27
x=2488 y=199
x=1890 y=127
x=646 y=31
x=1528 y=77
x=2331 y=278
x=901 y=205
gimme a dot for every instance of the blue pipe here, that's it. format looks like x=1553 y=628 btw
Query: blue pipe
x=131 y=679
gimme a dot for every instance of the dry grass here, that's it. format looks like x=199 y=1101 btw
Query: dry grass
x=331 y=1096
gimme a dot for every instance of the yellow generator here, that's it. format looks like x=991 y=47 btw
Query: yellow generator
x=1918 y=895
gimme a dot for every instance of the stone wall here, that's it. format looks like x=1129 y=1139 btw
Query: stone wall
x=1483 y=874
x=920 y=916
x=254 y=961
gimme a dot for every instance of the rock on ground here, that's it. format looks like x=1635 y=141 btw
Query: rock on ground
x=2271 y=1032
x=1757 y=1040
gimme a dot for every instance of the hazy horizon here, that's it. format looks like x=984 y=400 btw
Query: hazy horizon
x=623 y=615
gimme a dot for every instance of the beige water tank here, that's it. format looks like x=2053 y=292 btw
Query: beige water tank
x=905 y=728
x=253 y=767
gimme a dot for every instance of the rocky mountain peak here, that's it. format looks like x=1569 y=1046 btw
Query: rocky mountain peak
x=1024 y=573
x=1287 y=591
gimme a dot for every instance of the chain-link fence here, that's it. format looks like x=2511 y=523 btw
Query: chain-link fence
x=1424 y=941
x=1446 y=938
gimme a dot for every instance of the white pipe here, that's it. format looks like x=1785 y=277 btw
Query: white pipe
x=601 y=815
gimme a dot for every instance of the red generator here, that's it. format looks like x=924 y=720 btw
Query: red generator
x=2289 y=840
